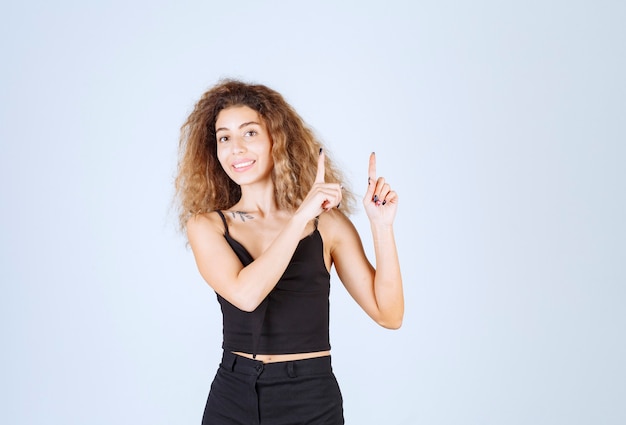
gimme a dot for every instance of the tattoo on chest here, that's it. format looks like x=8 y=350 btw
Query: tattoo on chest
x=242 y=215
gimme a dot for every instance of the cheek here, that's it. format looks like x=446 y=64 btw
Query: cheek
x=221 y=157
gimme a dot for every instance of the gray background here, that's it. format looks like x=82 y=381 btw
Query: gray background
x=501 y=125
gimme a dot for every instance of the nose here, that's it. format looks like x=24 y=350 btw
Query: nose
x=238 y=146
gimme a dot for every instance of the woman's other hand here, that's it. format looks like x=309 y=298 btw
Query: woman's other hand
x=380 y=202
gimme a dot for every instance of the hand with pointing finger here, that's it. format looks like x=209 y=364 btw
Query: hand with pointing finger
x=322 y=196
x=381 y=203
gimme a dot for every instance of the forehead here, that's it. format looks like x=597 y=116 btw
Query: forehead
x=232 y=117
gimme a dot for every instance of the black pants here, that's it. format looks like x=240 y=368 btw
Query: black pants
x=250 y=392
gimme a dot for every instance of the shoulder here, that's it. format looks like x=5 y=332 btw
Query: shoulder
x=334 y=226
x=207 y=223
x=333 y=219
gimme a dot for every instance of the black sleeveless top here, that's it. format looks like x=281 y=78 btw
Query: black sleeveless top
x=293 y=318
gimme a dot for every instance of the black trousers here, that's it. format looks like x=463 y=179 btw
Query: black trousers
x=250 y=392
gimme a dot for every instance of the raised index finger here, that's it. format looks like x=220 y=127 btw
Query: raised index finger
x=321 y=170
x=371 y=172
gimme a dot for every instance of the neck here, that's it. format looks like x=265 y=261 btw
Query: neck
x=257 y=199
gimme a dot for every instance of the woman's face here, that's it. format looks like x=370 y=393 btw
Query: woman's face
x=243 y=145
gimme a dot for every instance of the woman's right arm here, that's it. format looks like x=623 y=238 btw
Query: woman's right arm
x=246 y=287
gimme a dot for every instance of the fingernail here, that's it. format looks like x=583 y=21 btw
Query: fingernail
x=320 y=151
x=375 y=198
x=339 y=204
x=384 y=202
x=373 y=153
x=368 y=181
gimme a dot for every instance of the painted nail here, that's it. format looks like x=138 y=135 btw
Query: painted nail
x=375 y=198
x=369 y=181
x=339 y=204
x=384 y=202
x=320 y=151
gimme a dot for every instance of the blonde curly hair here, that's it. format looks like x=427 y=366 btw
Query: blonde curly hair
x=202 y=185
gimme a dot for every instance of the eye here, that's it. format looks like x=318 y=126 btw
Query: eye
x=222 y=139
x=251 y=133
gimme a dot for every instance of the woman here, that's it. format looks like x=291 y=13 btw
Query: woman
x=262 y=207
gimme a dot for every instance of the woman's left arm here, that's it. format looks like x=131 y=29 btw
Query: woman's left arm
x=377 y=290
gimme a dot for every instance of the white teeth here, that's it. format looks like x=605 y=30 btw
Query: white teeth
x=243 y=164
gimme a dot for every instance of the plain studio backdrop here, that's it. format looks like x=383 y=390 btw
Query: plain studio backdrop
x=500 y=124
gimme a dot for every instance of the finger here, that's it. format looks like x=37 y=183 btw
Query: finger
x=377 y=196
x=371 y=175
x=391 y=198
x=321 y=170
x=332 y=196
x=337 y=196
x=384 y=192
x=340 y=197
x=372 y=167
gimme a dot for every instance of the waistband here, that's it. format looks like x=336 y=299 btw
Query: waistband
x=291 y=369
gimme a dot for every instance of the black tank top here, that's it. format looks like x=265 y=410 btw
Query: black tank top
x=293 y=318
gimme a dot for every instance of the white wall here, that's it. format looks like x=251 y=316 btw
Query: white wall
x=500 y=125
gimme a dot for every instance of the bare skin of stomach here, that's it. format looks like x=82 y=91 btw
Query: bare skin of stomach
x=275 y=358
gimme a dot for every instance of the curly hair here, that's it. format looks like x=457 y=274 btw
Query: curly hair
x=202 y=185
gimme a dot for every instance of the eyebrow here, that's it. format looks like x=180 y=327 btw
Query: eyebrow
x=241 y=126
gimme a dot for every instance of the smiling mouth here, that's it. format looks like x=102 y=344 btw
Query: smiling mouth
x=243 y=164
